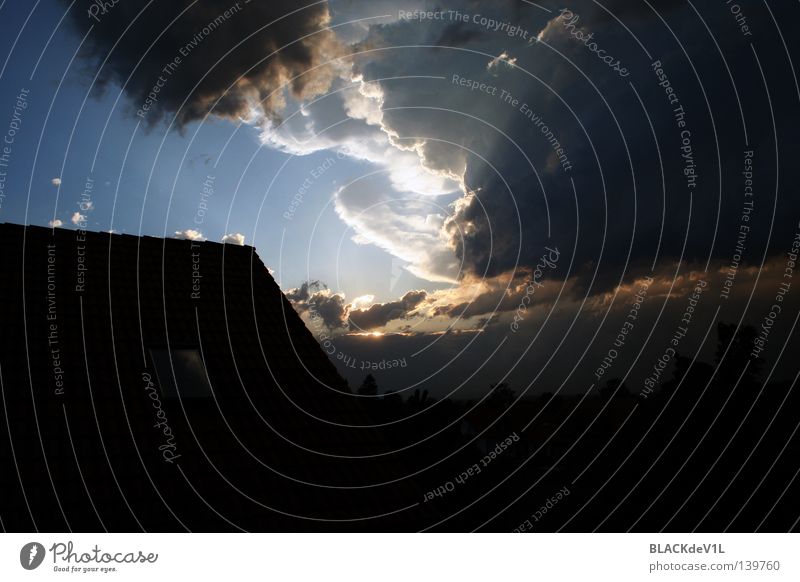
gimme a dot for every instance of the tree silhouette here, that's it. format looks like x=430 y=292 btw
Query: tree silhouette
x=612 y=387
x=419 y=400
x=369 y=387
x=502 y=396
x=736 y=346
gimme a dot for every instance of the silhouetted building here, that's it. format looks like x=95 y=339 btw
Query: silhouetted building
x=164 y=384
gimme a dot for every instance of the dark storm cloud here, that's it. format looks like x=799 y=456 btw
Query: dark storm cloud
x=331 y=308
x=380 y=314
x=302 y=293
x=203 y=33
x=601 y=12
x=457 y=34
x=492 y=303
x=318 y=302
x=620 y=217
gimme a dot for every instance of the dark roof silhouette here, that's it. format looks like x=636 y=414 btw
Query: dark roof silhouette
x=164 y=384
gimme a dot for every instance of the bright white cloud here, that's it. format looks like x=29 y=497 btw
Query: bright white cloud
x=406 y=226
x=55 y=223
x=56 y=181
x=78 y=218
x=189 y=234
x=389 y=208
x=236 y=239
x=362 y=301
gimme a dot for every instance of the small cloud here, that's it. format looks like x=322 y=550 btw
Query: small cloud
x=78 y=218
x=504 y=58
x=236 y=239
x=56 y=181
x=86 y=206
x=189 y=234
x=55 y=223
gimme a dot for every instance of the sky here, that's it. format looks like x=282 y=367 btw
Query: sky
x=452 y=194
